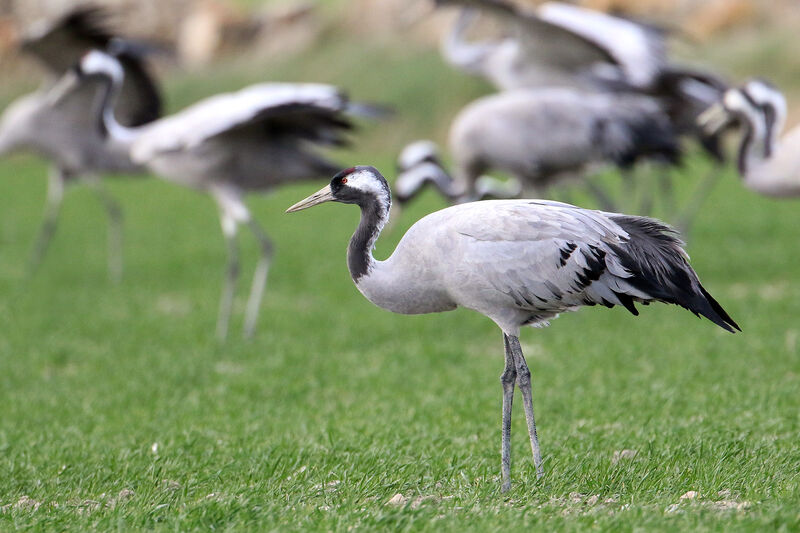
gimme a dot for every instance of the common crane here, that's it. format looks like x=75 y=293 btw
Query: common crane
x=56 y=121
x=542 y=136
x=252 y=140
x=518 y=262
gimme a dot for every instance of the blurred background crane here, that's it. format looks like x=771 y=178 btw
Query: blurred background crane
x=56 y=121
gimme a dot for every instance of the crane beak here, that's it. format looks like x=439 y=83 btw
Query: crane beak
x=323 y=195
x=713 y=119
x=65 y=85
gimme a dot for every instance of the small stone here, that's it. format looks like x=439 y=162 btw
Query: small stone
x=171 y=485
x=327 y=487
x=419 y=500
x=690 y=495
x=593 y=500
x=26 y=503
x=623 y=454
x=297 y=472
x=397 y=500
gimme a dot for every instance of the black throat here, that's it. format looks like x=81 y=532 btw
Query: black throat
x=103 y=104
x=744 y=148
x=359 y=251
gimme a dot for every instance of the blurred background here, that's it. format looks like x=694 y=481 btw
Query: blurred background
x=241 y=41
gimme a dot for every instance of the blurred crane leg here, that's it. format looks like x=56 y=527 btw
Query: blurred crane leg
x=115 y=230
x=259 y=279
x=55 y=195
x=601 y=195
x=229 y=230
x=684 y=220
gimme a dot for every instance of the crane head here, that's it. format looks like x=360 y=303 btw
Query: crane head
x=97 y=63
x=734 y=106
x=361 y=185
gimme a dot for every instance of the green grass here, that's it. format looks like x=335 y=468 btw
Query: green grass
x=120 y=411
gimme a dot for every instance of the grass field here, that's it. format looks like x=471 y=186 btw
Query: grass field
x=120 y=411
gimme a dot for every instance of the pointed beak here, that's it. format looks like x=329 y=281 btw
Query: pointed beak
x=713 y=119
x=321 y=196
x=66 y=84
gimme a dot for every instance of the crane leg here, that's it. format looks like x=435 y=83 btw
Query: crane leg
x=229 y=229
x=683 y=221
x=507 y=379
x=602 y=196
x=115 y=233
x=55 y=196
x=629 y=189
x=524 y=384
x=259 y=279
x=667 y=190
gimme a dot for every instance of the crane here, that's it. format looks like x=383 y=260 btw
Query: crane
x=226 y=145
x=518 y=262
x=542 y=136
x=54 y=121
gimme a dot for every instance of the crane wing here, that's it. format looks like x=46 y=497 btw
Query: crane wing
x=546 y=42
x=305 y=111
x=639 y=50
x=61 y=44
x=550 y=257
x=576 y=39
x=546 y=256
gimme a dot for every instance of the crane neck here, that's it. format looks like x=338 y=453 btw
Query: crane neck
x=776 y=176
x=459 y=52
x=374 y=215
x=775 y=130
x=412 y=181
x=752 y=147
x=107 y=101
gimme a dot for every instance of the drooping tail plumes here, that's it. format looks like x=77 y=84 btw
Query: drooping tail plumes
x=660 y=267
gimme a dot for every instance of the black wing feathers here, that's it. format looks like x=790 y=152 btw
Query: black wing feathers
x=655 y=256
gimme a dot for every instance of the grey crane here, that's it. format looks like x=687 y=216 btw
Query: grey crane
x=251 y=140
x=768 y=164
x=518 y=262
x=541 y=136
x=55 y=121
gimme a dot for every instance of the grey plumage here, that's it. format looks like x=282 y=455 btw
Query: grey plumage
x=518 y=262
x=540 y=136
x=57 y=121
